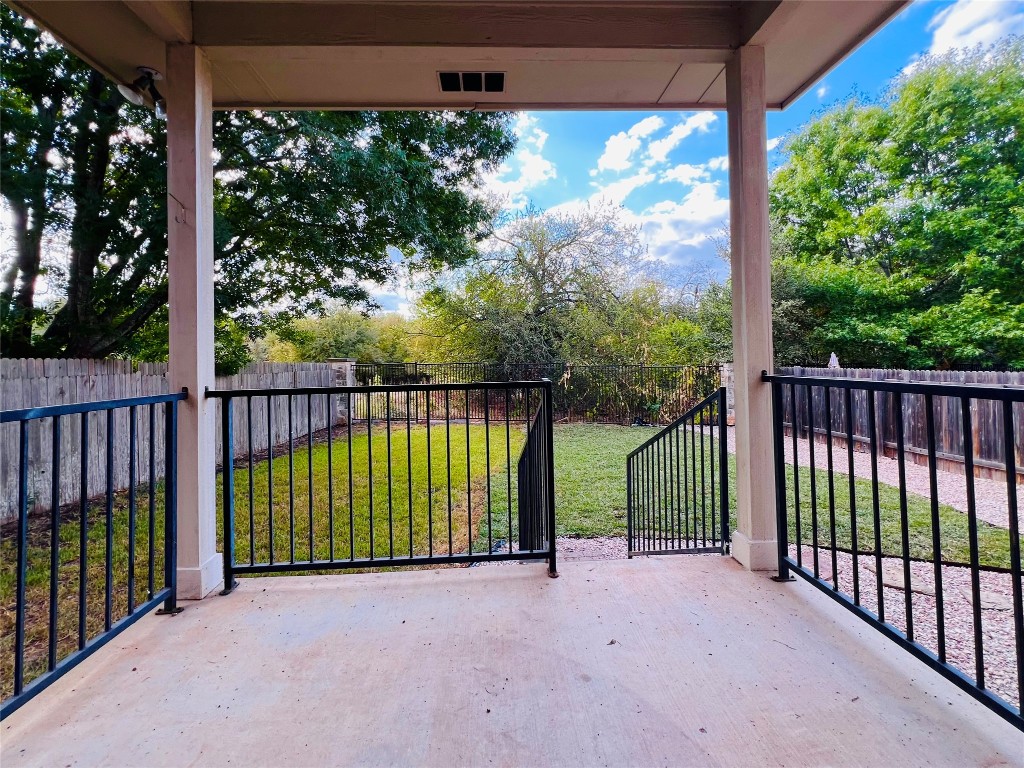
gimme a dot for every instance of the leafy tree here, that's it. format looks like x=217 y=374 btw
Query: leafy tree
x=903 y=222
x=552 y=286
x=308 y=205
x=342 y=333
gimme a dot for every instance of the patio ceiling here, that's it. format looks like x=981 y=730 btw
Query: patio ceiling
x=641 y=54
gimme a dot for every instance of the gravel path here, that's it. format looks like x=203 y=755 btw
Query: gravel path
x=990 y=495
x=575 y=548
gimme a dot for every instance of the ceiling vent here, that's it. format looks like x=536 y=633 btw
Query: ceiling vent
x=471 y=82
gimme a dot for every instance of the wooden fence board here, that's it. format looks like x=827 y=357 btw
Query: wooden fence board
x=986 y=416
x=33 y=383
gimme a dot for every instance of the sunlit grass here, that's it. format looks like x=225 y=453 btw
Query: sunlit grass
x=364 y=504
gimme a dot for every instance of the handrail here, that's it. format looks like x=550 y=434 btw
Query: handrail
x=702 y=405
x=1004 y=392
x=45 y=411
x=417 y=481
x=364 y=389
x=82 y=504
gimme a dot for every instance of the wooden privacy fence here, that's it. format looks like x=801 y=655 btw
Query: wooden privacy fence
x=34 y=383
x=986 y=417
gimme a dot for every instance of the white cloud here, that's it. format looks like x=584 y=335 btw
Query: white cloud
x=969 y=23
x=658 y=150
x=684 y=173
x=617 y=191
x=525 y=170
x=773 y=143
x=647 y=126
x=822 y=91
x=619 y=148
x=720 y=163
x=701 y=204
x=528 y=131
x=669 y=227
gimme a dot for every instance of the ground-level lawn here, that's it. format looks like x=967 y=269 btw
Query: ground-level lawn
x=390 y=493
x=471 y=472
x=591 y=499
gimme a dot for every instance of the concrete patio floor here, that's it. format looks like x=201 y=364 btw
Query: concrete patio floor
x=651 y=662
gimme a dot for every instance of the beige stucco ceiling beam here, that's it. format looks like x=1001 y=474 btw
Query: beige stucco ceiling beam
x=170 y=20
x=715 y=26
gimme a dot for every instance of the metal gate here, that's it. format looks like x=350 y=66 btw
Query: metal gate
x=677 y=485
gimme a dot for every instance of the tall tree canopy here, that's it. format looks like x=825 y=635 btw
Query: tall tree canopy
x=308 y=205
x=561 y=285
x=901 y=224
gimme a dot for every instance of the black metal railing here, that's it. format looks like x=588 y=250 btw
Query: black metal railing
x=392 y=491
x=614 y=394
x=535 y=476
x=677 y=485
x=75 y=574
x=918 y=553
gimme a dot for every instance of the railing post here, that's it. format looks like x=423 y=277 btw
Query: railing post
x=171 y=508
x=549 y=437
x=781 y=517
x=227 y=462
x=723 y=467
x=22 y=566
x=629 y=507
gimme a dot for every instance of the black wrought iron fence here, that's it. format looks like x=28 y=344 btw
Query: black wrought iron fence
x=917 y=553
x=677 y=485
x=76 y=574
x=432 y=480
x=617 y=394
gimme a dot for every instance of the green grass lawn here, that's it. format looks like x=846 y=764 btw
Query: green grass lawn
x=590 y=501
x=591 y=498
x=397 y=513
x=590 y=477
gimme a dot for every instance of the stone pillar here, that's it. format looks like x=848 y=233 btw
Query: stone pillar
x=754 y=541
x=344 y=371
x=189 y=95
x=727 y=378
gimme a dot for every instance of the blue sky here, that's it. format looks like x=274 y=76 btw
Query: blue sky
x=667 y=168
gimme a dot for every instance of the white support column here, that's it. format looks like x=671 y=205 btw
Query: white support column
x=754 y=542
x=189 y=94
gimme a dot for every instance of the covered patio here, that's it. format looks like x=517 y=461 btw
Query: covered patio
x=659 y=661
x=744 y=58
x=695 y=660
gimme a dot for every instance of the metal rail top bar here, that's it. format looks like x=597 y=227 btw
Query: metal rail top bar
x=702 y=405
x=99 y=405
x=376 y=388
x=1005 y=392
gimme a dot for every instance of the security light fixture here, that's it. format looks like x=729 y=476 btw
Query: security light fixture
x=145 y=86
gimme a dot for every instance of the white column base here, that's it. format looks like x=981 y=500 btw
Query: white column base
x=755 y=555
x=197 y=583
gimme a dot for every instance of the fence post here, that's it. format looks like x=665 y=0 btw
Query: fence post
x=171 y=508
x=629 y=508
x=723 y=467
x=549 y=438
x=781 y=516
x=227 y=462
